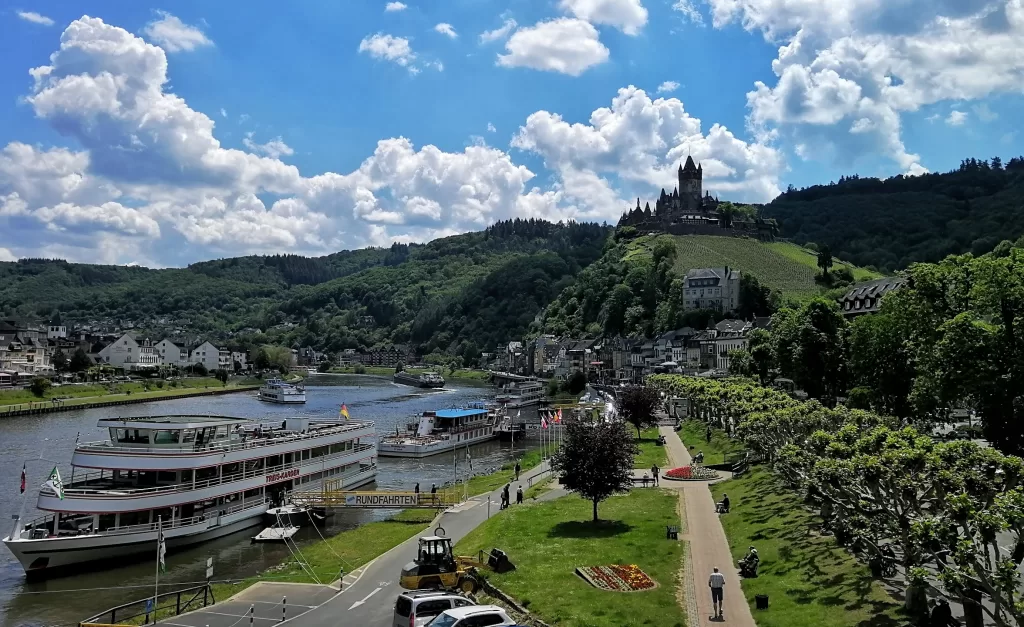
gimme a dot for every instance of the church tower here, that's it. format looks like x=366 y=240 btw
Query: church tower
x=690 y=183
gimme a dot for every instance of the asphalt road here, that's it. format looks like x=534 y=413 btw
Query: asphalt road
x=370 y=601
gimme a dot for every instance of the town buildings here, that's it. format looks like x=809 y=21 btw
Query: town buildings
x=716 y=289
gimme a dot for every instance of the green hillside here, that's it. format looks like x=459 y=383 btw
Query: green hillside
x=781 y=266
x=636 y=287
x=891 y=223
x=460 y=294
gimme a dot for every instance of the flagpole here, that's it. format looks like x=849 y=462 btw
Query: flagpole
x=159 y=544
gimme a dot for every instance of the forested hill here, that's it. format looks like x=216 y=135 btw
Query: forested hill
x=888 y=224
x=462 y=294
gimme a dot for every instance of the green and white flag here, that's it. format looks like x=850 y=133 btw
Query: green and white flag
x=161 y=549
x=54 y=483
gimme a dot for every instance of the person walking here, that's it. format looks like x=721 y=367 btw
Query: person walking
x=654 y=473
x=518 y=469
x=416 y=490
x=717 y=584
x=505 y=497
x=707 y=434
x=519 y=496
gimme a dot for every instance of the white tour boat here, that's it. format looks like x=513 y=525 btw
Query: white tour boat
x=196 y=477
x=440 y=431
x=278 y=391
x=521 y=394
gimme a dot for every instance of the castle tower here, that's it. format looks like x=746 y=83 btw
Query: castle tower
x=690 y=182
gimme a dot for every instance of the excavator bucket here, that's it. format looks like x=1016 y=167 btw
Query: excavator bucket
x=499 y=562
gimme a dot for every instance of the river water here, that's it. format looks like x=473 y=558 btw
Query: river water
x=67 y=600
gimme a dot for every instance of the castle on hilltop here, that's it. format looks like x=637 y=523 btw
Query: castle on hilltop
x=689 y=210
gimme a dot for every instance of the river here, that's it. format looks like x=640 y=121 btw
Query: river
x=67 y=600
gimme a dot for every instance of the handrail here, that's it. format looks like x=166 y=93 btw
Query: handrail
x=115 y=492
x=206 y=590
x=185 y=522
x=105 y=446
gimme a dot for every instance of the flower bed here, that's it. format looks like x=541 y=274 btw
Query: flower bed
x=617 y=577
x=691 y=473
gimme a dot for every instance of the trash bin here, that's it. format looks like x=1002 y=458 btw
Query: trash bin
x=761 y=601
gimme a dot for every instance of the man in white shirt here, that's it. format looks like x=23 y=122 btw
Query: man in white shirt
x=717 y=584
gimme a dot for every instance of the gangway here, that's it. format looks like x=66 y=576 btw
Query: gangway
x=329 y=496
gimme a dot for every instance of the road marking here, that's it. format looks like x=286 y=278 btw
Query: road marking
x=358 y=603
x=246 y=615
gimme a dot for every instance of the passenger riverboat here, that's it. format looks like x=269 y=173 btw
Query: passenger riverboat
x=425 y=380
x=521 y=394
x=195 y=477
x=439 y=431
x=278 y=391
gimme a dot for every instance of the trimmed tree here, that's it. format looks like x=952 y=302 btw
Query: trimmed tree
x=596 y=459
x=636 y=405
x=222 y=375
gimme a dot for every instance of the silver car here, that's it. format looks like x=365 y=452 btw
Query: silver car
x=418 y=607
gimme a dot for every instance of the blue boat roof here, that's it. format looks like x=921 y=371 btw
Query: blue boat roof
x=459 y=413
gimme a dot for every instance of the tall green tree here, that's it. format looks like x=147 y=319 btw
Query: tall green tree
x=759 y=345
x=60 y=361
x=595 y=460
x=881 y=360
x=825 y=259
x=637 y=405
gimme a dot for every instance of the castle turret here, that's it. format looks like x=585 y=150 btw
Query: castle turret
x=690 y=182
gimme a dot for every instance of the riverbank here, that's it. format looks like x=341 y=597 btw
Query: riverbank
x=72 y=397
x=465 y=374
x=351 y=549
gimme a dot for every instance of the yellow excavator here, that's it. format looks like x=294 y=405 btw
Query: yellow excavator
x=437 y=568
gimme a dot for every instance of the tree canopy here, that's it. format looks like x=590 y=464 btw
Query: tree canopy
x=595 y=459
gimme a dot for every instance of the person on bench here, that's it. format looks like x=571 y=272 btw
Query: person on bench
x=748 y=565
x=722 y=506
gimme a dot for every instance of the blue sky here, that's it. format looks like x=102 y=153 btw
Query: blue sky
x=165 y=134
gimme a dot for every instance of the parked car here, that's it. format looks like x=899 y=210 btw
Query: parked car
x=418 y=607
x=475 y=616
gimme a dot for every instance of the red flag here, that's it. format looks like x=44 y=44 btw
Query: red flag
x=558 y=417
x=543 y=423
x=23 y=478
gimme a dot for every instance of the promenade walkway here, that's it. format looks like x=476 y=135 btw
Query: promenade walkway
x=708 y=546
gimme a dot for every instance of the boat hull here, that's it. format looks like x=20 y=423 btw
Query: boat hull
x=414 y=381
x=285 y=401
x=419 y=451
x=53 y=558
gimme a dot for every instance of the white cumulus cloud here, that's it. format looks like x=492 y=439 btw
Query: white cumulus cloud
x=173 y=35
x=35 y=18
x=7 y=255
x=956 y=118
x=629 y=16
x=446 y=29
x=689 y=11
x=395 y=6
x=148 y=181
x=389 y=48
x=498 y=33
x=565 y=45
x=847 y=71
x=275 y=148
x=668 y=87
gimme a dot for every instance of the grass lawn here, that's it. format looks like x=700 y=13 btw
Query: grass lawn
x=86 y=394
x=356 y=546
x=548 y=540
x=487 y=483
x=694 y=433
x=650 y=453
x=809 y=579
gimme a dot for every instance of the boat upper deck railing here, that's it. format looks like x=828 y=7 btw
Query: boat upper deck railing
x=270 y=436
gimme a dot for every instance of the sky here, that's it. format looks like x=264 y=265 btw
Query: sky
x=166 y=134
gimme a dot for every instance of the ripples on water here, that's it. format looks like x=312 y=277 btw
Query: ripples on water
x=52 y=437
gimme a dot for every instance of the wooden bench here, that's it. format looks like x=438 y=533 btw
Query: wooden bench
x=671 y=532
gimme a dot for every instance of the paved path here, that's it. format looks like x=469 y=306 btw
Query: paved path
x=708 y=546
x=368 y=594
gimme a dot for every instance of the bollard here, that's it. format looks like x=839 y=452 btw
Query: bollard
x=284 y=609
x=252 y=612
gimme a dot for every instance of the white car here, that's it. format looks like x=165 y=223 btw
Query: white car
x=418 y=607
x=474 y=616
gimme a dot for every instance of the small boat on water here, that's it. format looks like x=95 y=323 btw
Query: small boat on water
x=440 y=431
x=424 y=380
x=278 y=391
x=296 y=515
x=276 y=534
